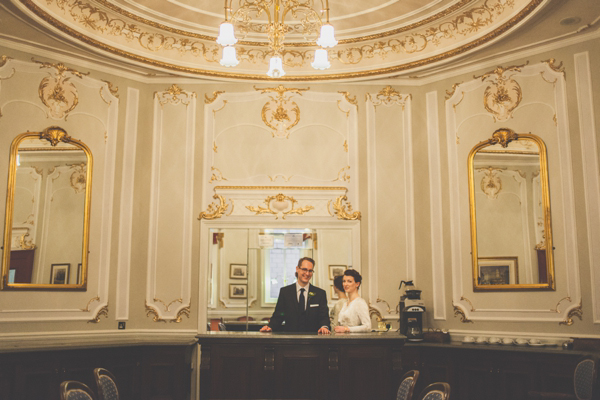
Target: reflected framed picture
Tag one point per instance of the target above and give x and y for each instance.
(237, 291)
(59, 274)
(498, 270)
(333, 293)
(336, 270)
(238, 271)
(78, 273)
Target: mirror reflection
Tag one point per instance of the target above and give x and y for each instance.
(510, 213)
(47, 212)
(247, 268)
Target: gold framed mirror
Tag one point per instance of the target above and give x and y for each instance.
(509, 202)
(46, 233)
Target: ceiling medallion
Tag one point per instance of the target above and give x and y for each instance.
(280, 113)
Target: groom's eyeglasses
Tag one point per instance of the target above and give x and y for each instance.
(306, 270)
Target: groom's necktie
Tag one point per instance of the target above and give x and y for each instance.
(301, 301)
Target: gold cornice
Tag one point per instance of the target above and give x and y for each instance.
(288, 78)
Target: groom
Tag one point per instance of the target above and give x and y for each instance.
(302, 306)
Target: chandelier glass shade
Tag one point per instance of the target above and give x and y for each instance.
(269, 17)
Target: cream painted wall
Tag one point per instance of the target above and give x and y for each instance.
(125, 261)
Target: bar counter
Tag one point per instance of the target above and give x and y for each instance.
(254, 365)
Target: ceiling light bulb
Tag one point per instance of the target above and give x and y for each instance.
(321, 61)
(229, 58)
(276, 67)
(327, 39)
(226, 35)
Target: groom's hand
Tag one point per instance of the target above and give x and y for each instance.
(324, 331)
(265, 328)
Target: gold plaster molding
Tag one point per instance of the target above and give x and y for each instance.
(280, 188)
(215, 95)
(199, 48)
(341, 211)
(342, 175)
(556, 310)
(281, 113)
(443, 13)
(389, 96)
(56, 91)
(556, 68)
(26, 244)
(217, 175)
(3, 60)
(114, 90)
(575, 312)
(167, 306)
(174, 95)
(349, 98)
(214, 211)
(504, 93)
(468, 301)
(102, 311)
(450, 93)
(150, 310)
(184, 311)
(460, 312)
(87, 307)
(281, 203)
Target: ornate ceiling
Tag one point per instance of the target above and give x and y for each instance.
(377, 38)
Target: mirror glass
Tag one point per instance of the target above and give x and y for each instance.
(510, 213)
(247, 267)
(47, 212)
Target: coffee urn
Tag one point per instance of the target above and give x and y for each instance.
(411, 310)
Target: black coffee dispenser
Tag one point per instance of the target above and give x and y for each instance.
(411, 312)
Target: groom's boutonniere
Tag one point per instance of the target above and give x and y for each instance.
(311, 294)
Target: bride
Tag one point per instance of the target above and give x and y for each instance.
(354, 315)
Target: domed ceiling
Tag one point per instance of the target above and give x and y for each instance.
(377, 38)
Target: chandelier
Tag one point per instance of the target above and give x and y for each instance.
(246, 20)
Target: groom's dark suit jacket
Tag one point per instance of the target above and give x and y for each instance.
(312, 319)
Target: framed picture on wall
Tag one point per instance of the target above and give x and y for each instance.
(498, 270)
(238, 271)
(237, 291)
(59, 274)
(336, 270)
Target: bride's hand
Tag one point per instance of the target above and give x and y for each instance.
(341, 329)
